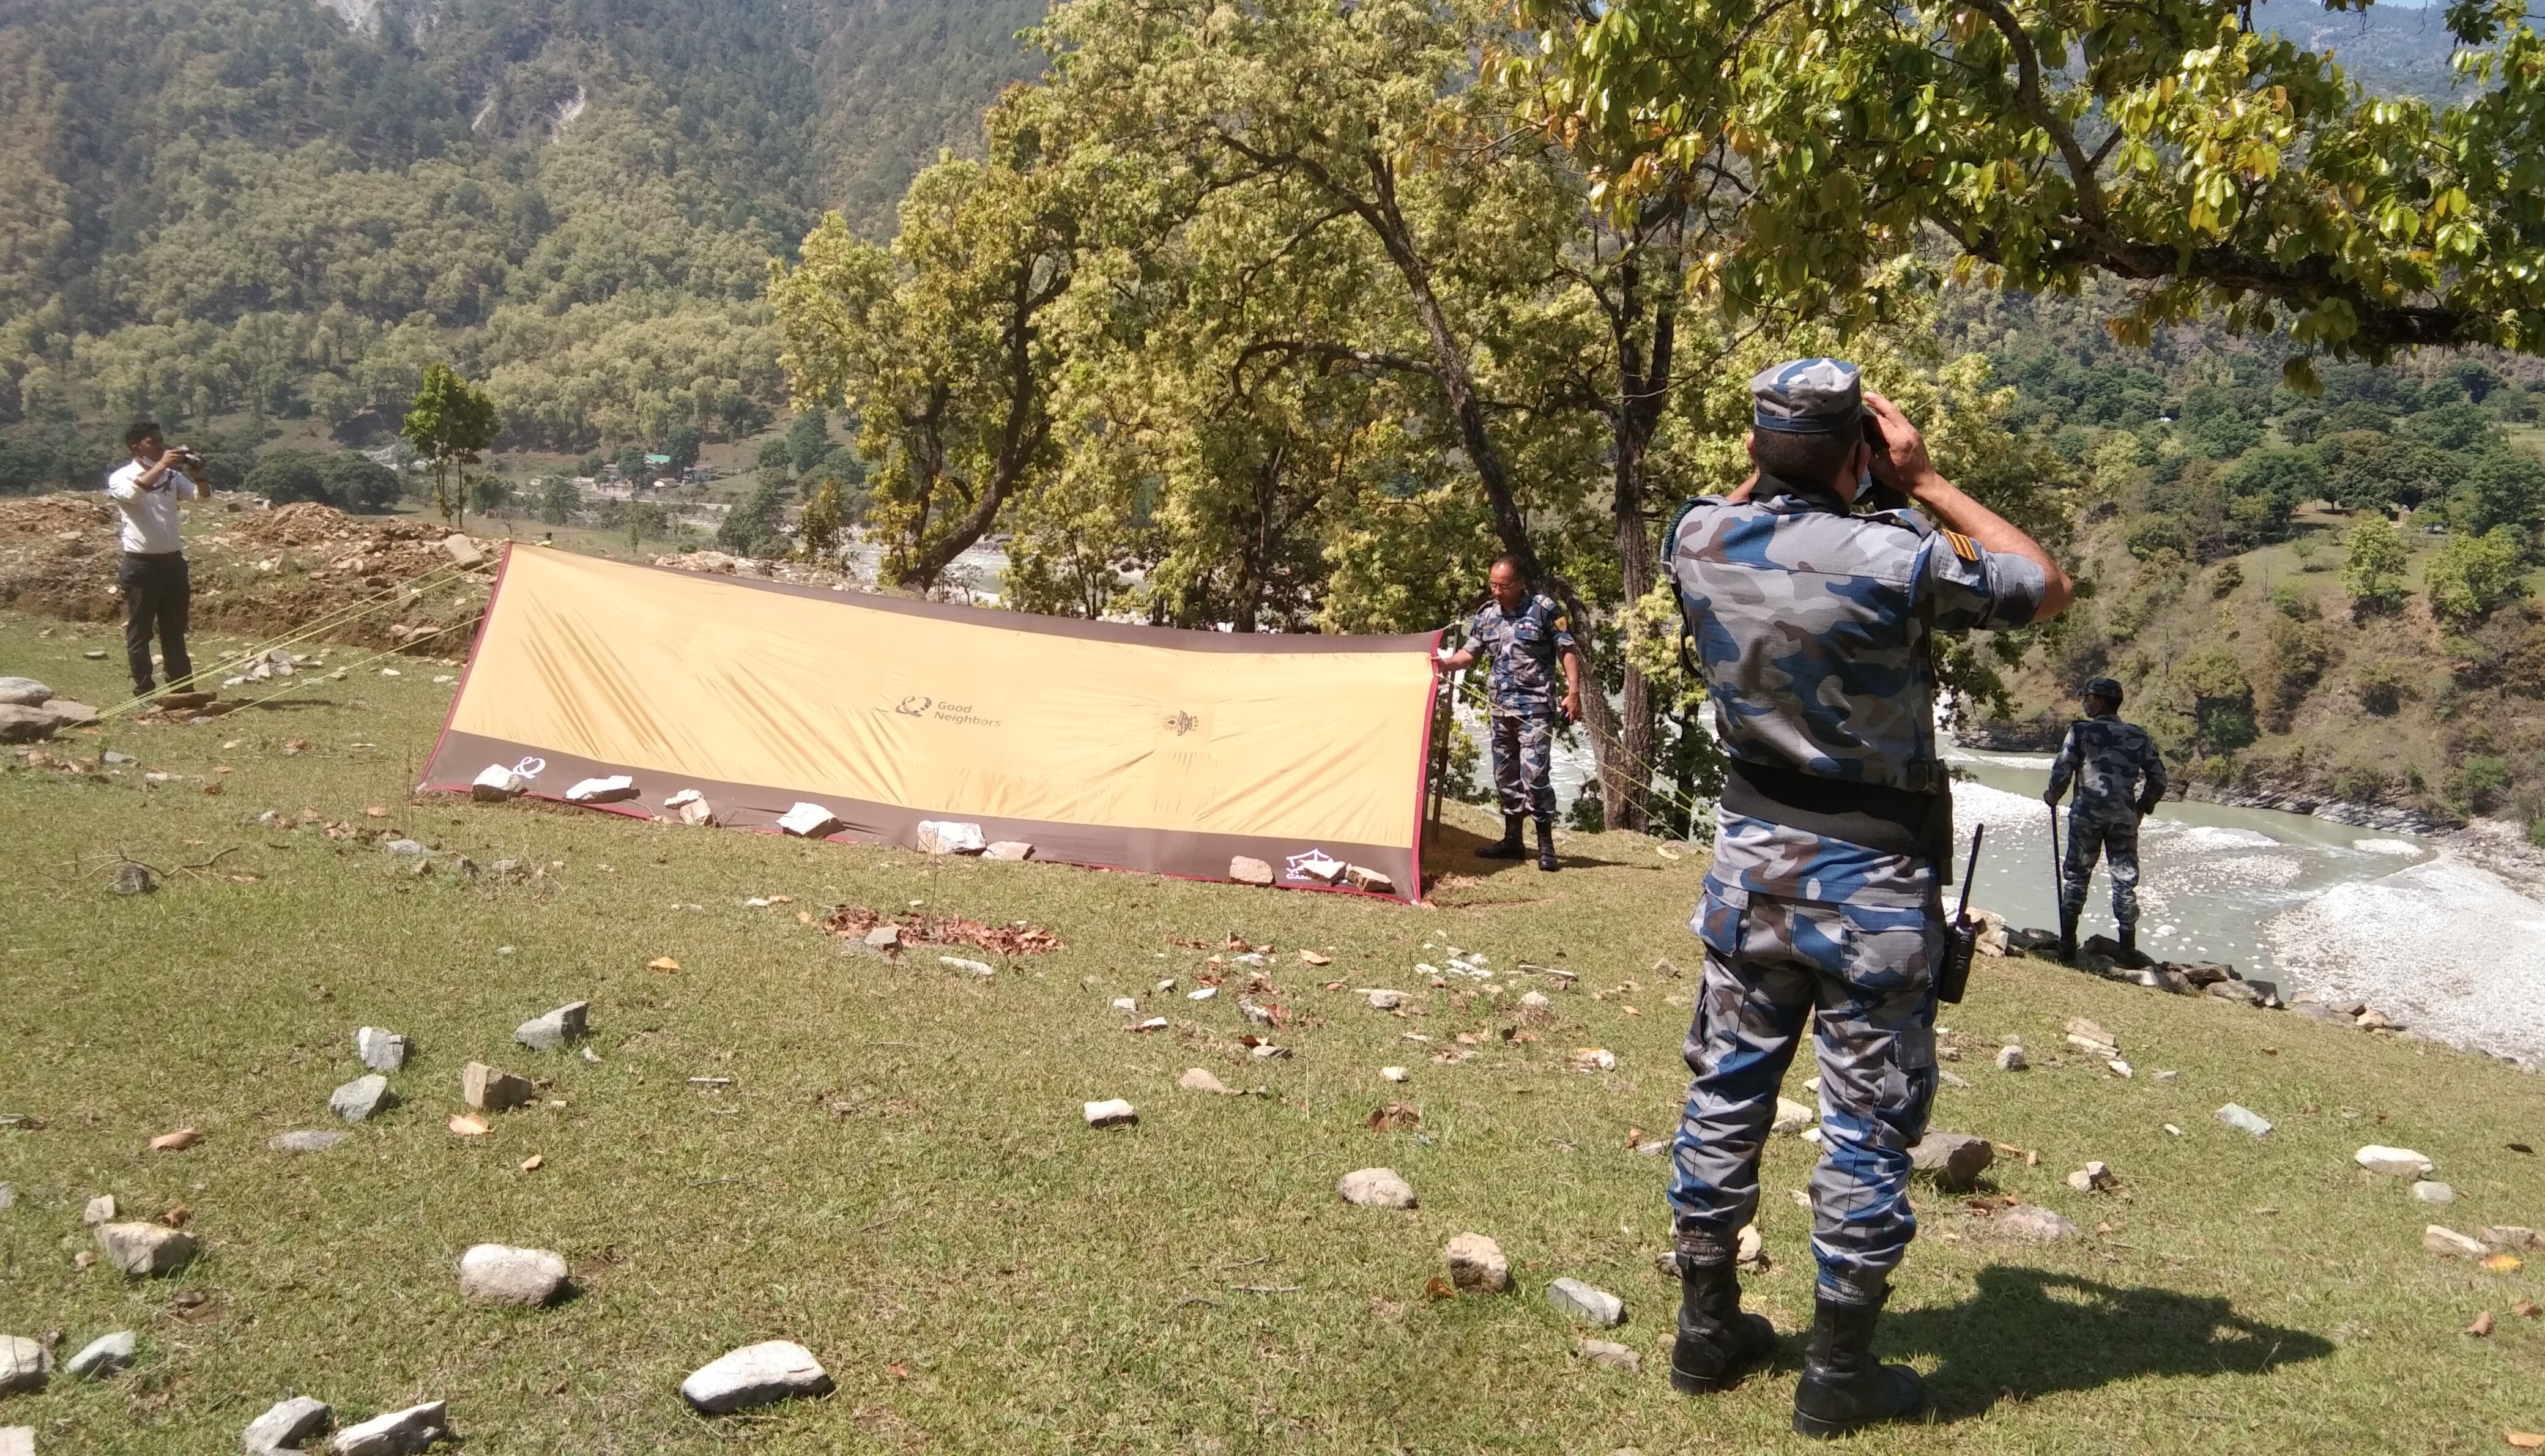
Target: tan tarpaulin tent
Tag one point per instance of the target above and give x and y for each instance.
(1136, 748)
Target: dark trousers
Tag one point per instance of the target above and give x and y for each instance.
(155, 589)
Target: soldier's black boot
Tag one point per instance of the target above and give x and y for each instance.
(1509, 847)
(1844, 1388)
(1715, 1339)
(2067, 939)
(2129, 938)
(1546, 844)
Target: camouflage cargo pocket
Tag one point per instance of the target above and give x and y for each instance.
(1719, 918)
(1885, 949)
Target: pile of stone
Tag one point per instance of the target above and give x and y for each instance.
(31, 713)
(2102, 956)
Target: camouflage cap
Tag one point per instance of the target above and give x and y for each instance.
(2103, 688)
(1808, 396)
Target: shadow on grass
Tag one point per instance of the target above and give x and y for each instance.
(1450, 850)
(2030, 1333)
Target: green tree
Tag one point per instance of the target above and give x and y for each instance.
(2220, 698)
(450, 423)
(2217, 164)
(939, 343)
(2372, 565)
(559, 500)
(630, 461)
(680, 443)
(284, 476)
(2471, 575)
(646, 520)
(753, 528)
(817, 531)
(806, 440)
(2505, 488)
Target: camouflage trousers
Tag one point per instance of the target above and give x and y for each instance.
(1524, 755)
(1863, 977)
(2113, 836)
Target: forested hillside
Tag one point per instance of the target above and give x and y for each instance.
(271, 208)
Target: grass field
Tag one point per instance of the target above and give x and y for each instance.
(899, 1178)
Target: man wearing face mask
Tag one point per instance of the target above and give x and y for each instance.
(1814, 629)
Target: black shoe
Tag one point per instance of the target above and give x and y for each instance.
(1844, 1388)
(2068, 940)
(2129, 942)
(1510, 846)
(1546, 844)
(1715, 1339)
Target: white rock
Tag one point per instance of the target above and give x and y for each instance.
(1393, 1074)
(101, 1210)
(382, 1051)
(496, 783)
(1008, 850)
(483, 1088)
(308, 1140)
(2397, 1163)
(1610, 1353)
(1112, 1112)
(496, 1273)
(2032, 1223)
(883, 937)
(2092, 1178)
(145, 1249)
(967, 967)
(25, 693)
(755, 1375)
(2245, 1120)
(2119, 1068)
(1792, 1116)
(2441, 1240)
(950, 836)
(1592, 1306)
(1384, 1000)
(556, 1030)
(810, 821)
(1477, 1264)
(362, 1098)
(285, 1425)
(1125, 1005)
(1535, 1001)
(1197, 1078)
(462, 551)
(1267, 1051)
(699, 814)
(2430, 1192)
(2010, 1059)
(103, 1357)
(1153, 1023)
(23, 1365)
(611, 790)
(1203, 994)
(1810, 1135)
(1375, 1187)
(393, 1435)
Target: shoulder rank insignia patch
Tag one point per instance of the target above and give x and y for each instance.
(1963, 546)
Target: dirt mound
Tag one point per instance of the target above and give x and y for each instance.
(257, 572)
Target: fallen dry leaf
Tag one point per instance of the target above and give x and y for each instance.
(468, 1126)
(662, 963)
(2499, 1264)
(176, 1142)
(246, 879)
(897, 1370)
(1394, 1116)
(2526, 1309)
(1315, 959)
(176, 1216)
(1629, 1011)
(1634, 1137)
(376, 812)
(782, 899)
(213, 787)
(1438, 1288)
(804, 916)
(83, 1259)
(533, 1163)
(2524, 1440)
(2482, 1326)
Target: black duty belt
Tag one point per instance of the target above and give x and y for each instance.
(1894, 821)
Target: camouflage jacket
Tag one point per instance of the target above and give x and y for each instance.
(1812, 628)
(2114, 765)
(1524, 648)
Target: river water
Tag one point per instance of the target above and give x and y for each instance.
(2437, 942)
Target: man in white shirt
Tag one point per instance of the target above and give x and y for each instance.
(153, 573)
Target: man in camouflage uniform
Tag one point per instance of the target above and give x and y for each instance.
(2119, 778)
(1523, 635)
(1824, 905)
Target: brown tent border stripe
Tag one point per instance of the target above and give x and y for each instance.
(1102, 744)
